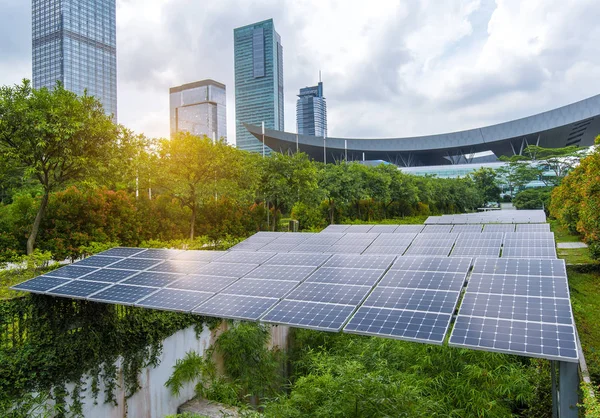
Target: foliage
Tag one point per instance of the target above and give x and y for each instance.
(591, 405)
(486, 181)
(55, 135)
(538, 198)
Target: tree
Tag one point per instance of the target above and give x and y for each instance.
(558, 160)
(485, 180)
(517, 173)
(56, 136)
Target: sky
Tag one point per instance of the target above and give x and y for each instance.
(389, 68)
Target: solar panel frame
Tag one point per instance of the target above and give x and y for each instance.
(522, 267)
(122, 252)
(499, 228)
(311, 315)
(425, 300)
(41, 284)
(152, 279)
(136, 264)
(122, 294)
(173, 300)
(519, 285)
(533, 228)
(77, 289)
(529, 252)
(97, 261)
(249, 308)
(109, 275)
(71, 272)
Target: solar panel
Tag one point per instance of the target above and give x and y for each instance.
(356, 242)
(135, 264)
(386, 250)
(71, 272)
(179, 266)
(345, 249)
(360, 262)
(529, 252)
(529, 243)
(499, 228)
(109, 275)
(529, 235)
(197, 255)
(97, 261)
(158, 254)
(226, 269)
(412, 299)
(319, 241)
(523, 308)
(533, 227)
(475, 252)
(551, 268)
(248, 246)
(481, 236)
(78, 289)
(122, 251)
(257, 239)
(400, 324)
(245, 257)
(40, 284)
(550, 341)
(518, 285)
(359, 228)
(467, 228)
(202, 283)
(174, 300)
(329, 293)
(260, 287)
(313, 315)
(434, 264)
(434, 280)
(298, 259)
(335, 228)
(311, 248)
(437, 228)
(337, 275)
(356, 237)
(276, 272)
(235, 307)
(409, 229)
(433, 251)
(146, 278)
(122, 294)
(280, 248)
(383, 228)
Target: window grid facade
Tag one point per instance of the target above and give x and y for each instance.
(199, 108)
(311, 111)
(74, 42)
(258, 56)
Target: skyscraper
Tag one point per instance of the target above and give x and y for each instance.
(311, 111)
(258, 58)
(199, 108)
(74, 41)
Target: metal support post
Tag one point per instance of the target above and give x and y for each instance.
(554, 389)
(568, 389)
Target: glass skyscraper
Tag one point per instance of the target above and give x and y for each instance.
(199, 108)
(75, 42)
(258, 58)
(311, 111)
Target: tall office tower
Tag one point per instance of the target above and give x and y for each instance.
(311, 111)
(75, 42)
(199, 108)
(258, 81)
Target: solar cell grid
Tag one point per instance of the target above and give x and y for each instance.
(122, 294)
(110, 275)
(279, 248)
(147, 278)
(329, 293)
(97, 261)
(313, 315)
(434, 280)
(245, 257)
(174, 300)
(533, 227)
(482, 251)
(383, 228)
(335, 228)
(553, 287)
(248, 246)
(481, 235)
(226, 269)
(158, 254)
(529, 243)
(437, 228)
(397, 250)
(337, 275)
(532, 309)
(400, 324)
(40, 284)
(355, 242)
(551, 268)
(469, 242)
(197, 255)
(358, 236)
(550, 341)
(413, 299)
(235, 307)
(345, 249)
(71, 272)
(499, 228)
(202, 283)
(135, 264)
(359, 228)
(260, 287)
(529, 252)
(425, 250)
(432, 242)
(529, 235)
(320, 241)
(402, 229)
(260, 239)
(433, 264)
(298, 259)
(79, 289)
(179, 266)
(311, 248)
(360, 262)
(467, 228)
(122, 251)
(276, 272)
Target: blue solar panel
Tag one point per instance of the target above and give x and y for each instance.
(432, 251)
(122, 294)
(359, 228)
(313, 315)
(135, 264)
(330, 293)
(337, 275)
(78, 289)
(109, 275)
(435, 264)
(386, 250)
(71, 272)
(335, 228)
(235, 307)
(245, 257)
(179, 266)
(475, 252)
(553, 287)
(550, 341)
(195, 255)
(260, 287)
(311, 248)
(437, 228)
(550, 268)
(499, 228)
(248, 246)
(275, 272)
(401, 229)
(174, 300)
(383, 228)
(413, 299)
(122, 251)
(417, 326)
(202, 283)
(158, 254)
(226, 269)
(97, 261)
(362, 262)
(424, 280)
(40, 284)
(529, 252)
(147, 278)
(345, 249)
(298, 259)
(279, 248)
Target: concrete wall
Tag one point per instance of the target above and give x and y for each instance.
(153, 400)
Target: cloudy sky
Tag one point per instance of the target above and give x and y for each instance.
(390, 68)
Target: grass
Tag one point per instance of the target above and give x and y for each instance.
(575, 255)
(562, 234)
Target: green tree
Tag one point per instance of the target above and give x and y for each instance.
(560, 161)
(486, 181)
(517, 173)
(54, 135)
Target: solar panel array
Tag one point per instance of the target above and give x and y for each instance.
(491, 217)
(394, 282)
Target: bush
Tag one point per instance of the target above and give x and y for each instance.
(533, 198)
(308, 217)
